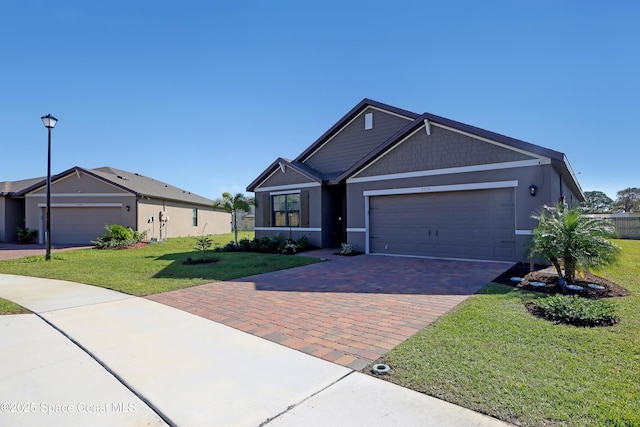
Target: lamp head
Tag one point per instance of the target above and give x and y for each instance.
(49, 121)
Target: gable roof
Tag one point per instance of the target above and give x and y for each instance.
(558, 160)
(301, 168)
(362, 105)
(134, 183)
(10, 188)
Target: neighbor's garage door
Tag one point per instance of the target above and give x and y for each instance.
(80, 225)
(475, 224)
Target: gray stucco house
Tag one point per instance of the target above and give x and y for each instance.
(83, 201)
(391, 181)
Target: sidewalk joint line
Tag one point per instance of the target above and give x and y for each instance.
(295, 405)
(146, 401)
(86, 305)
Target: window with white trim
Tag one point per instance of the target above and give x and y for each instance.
(285, 210)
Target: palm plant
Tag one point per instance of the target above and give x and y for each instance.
(234, 204)
(572, 240)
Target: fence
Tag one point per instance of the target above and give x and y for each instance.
(627, 228)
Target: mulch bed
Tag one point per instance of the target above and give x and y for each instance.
(550, 279)
(352, 253)
(200, 261)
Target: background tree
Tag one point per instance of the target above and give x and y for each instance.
(234, 204)
(571, 240)
(597, 202)
(628, 199)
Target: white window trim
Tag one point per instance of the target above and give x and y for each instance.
(279, 193)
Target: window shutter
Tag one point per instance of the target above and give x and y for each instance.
(266, 210)
(304, 208)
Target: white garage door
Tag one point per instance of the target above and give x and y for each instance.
(80, 225)
(477, 224)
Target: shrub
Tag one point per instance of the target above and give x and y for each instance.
(575, 310)
(118, 236)
(25, 235)
(303, 244)
(287, 247)
(244, 245)
(347, 249)
(273, 244)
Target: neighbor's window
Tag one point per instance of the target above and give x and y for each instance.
(195, 217)
(286, 210)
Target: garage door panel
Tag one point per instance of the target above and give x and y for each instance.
(81, 225)
(466, 224)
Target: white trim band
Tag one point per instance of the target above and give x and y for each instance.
(80, 195)
(524, 232)
(287, 187)
(82, 205)
(356, 230)
(286, 229)
(442, 188)
(447, 171)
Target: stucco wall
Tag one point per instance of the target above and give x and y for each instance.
(180, 219)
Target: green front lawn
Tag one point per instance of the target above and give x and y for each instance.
(492, 356)
(158, 267)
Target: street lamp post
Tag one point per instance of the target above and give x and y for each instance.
(49, 122)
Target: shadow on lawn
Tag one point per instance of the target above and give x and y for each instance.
(383, 275)
(180, 269)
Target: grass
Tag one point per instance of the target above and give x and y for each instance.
(158, 267)
(492, 356)
(8, 307)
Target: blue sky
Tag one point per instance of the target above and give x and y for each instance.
(205, 95)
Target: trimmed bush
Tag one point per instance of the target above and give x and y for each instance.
(118, 237)
(274, 244)
(574, 310)
(25, 235)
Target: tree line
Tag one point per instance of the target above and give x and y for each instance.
(627, 200)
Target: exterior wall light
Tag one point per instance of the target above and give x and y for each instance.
(533, 190)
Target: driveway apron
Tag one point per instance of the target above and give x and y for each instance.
(347, 310)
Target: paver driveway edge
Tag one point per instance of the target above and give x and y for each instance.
(348, 311)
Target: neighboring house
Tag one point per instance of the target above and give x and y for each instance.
(83, 201)
(390, 181)
(246, 220)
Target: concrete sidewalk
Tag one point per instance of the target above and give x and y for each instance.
(91, 356)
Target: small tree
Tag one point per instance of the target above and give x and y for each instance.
(203, 243)
(234, 204)
(572, 240)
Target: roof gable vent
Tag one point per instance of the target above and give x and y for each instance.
(368, 121)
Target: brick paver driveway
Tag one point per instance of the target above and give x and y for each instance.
(348, 310)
